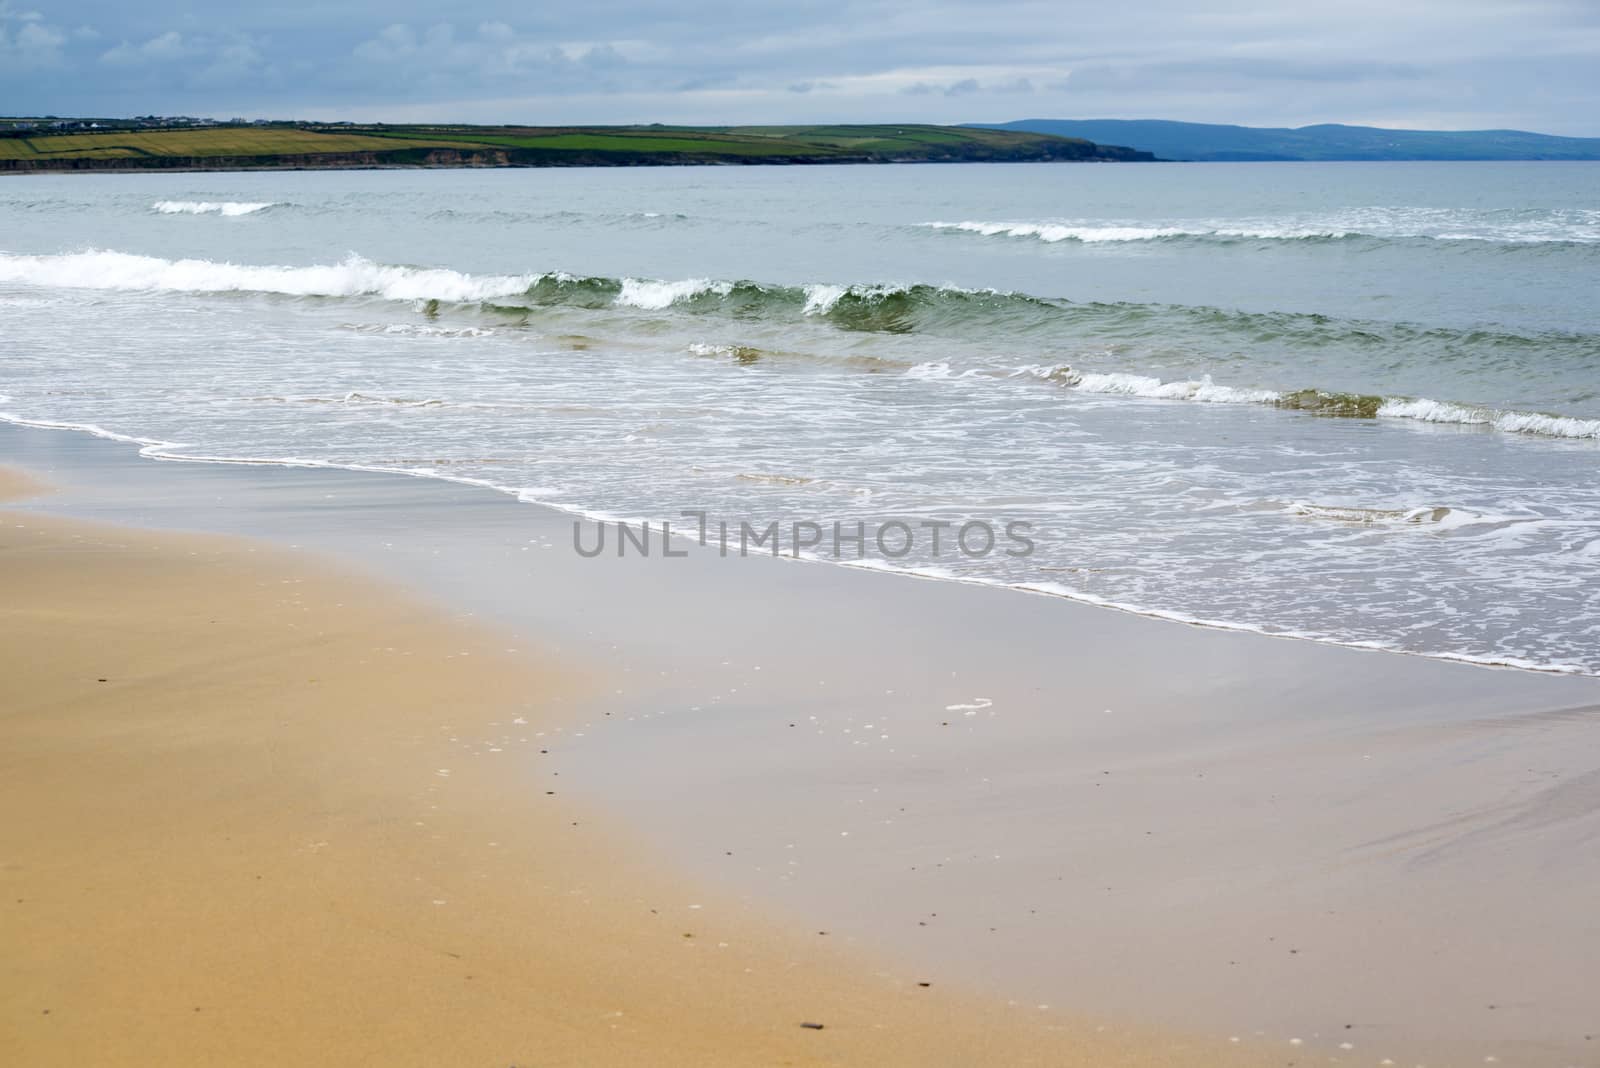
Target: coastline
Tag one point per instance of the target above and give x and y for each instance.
(74, 145)
(1217, 832)
(236, 167)
(280, 813)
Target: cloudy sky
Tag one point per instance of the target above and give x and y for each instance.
(1445, 64)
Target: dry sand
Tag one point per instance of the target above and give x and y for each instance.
(261, 813)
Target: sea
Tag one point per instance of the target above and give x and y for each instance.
(1345, 402)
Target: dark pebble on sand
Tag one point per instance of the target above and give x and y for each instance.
(811, 1026)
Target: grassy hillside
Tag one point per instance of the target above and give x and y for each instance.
(1203, 141)
(310, 145)
(215, 141)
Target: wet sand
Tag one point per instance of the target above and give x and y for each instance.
(1342, 854)
(264, 812)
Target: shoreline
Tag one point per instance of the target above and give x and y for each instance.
(270, 791)
(471, 166)
(296, 145)
(1377, 810)
(150, 449)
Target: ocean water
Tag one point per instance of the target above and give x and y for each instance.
(1348, 402)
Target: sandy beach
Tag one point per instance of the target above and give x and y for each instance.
(245, 831)
(725, 821)
(520, 549)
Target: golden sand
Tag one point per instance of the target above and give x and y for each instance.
(254, 815)
(14, 484)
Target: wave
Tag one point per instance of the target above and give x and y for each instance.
(1432, 515)
(654, 296)
(564, 217)
(1513, 422)
(1314, 401)
(880, 307)
(352, 277)
(209, 207)
(417, 330)
(1052, 233)
(1374, 224)
(883, 308)
(745, 354)
(889, 308)
(1132, 385)
(429, 469)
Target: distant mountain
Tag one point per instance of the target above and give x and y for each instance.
(1203, 141)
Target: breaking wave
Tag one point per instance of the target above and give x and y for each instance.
(1315, 401)
(354, 276)
(1051, 233)
(884, 308)
(1557, 227)
(209, 207)
(654, 296)
(944, 310)
(887, 308)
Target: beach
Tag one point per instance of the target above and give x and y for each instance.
(266, 811)
(1110, 615)
(1351, 881)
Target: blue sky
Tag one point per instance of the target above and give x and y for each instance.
(1445, 64)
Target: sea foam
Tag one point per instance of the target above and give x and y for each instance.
(354, 276)
(210, 207)
(1052, 232)
(654, 296)
(1204, 390)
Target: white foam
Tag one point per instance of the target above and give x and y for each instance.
(702, 348)
(1431, 515)
(1383, 223)
(654, 296)
(1054, 589)
(1432, 411)
(1052, 232)
(419, 330)
(933, 369)
(229, 208)
(354, 276)
(166, 450)
(1206, 391)
(820, 298)
(1130, 385)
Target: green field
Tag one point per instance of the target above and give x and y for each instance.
(216, 141)
(307, 144)
(689, 142)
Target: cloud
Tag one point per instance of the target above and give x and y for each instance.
(239, 60)
(393, 44)
(163, 48)
(27, 42)
(1530, 63)
(440, 60)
